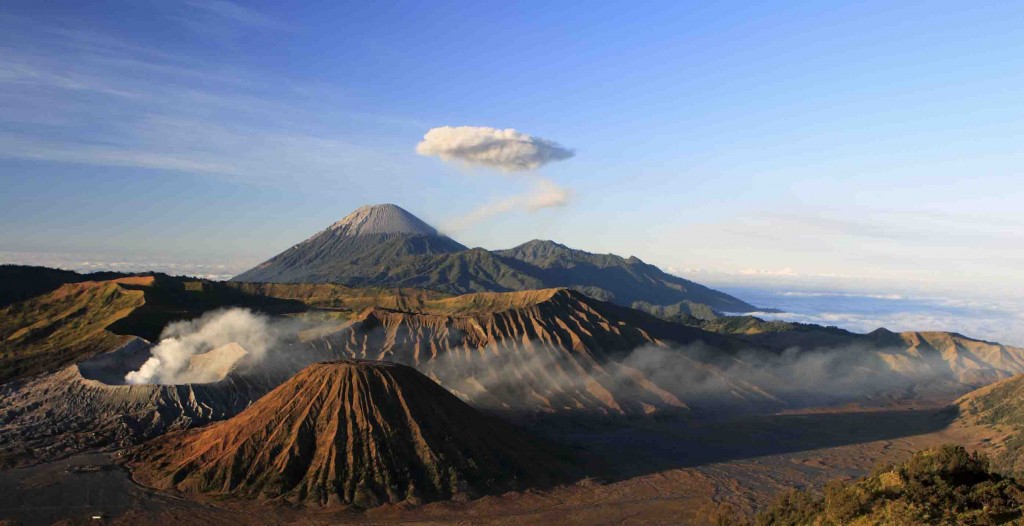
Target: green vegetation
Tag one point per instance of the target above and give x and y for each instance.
(943, 485)
(21, 282)
(326, 296)
(437, 263)
(79, 320)
(1000, 405)
(687, 312)
(170, 298)
(626, 281)
(69, 324)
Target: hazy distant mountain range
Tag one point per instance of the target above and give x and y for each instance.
(384, 245)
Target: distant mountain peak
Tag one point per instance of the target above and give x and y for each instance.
(543, 243)
(382, 219)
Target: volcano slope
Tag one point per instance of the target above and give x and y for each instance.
(558, 350)
(385, 245)
(352, 433)
(553, 350)
(63, 326)
(23, 282)
(88, 406)
(83, 319)
(1000, 408)
(933, 364)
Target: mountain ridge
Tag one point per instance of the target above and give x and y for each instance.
(383, 245)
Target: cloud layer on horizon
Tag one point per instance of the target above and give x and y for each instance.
(508, 150)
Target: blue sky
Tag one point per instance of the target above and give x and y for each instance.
(869, 146)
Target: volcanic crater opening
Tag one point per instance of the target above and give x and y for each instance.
(113, 367)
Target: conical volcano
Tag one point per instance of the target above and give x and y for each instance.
(358, 433)
(384, 245)
(353, 248)
(382, 219)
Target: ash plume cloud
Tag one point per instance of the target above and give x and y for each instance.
(181, 340)
(508, 150)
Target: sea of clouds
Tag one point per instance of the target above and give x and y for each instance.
(1000, 320)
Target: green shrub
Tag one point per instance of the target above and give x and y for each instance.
(942, 485)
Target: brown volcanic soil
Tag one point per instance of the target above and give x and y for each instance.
(673, 473)
(356, 433)
(552, 350)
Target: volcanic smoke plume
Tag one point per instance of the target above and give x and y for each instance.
(183, 340)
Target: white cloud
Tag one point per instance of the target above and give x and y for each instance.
(80, 98)
(544, 194)
(234, 13)
(507, 150)
(768, 272)
(979, 324)
(92, 262)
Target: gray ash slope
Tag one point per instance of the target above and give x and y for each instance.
(88, 406)
(384, 245)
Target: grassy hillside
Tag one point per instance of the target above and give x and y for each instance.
(1000, 406)
(342, 298)
(626, 281)
(79, 320)
(438, 263)
(64, 326)
(170, 298)
(944, 485)
(22, 282)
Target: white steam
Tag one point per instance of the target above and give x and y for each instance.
(508, 150)
(536, 377)
(182, 341)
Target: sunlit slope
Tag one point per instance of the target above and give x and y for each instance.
(88, 406)
(1000, 407)
(944, 485)
(356, 433)
(50, 331)
(22, 282)
(941, 355)
(80, 320)
(551, 350)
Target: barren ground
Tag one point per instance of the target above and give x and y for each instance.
(673, 472)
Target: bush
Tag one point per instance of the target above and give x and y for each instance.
(943, 485)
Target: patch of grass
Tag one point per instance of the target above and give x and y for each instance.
(64, 326)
